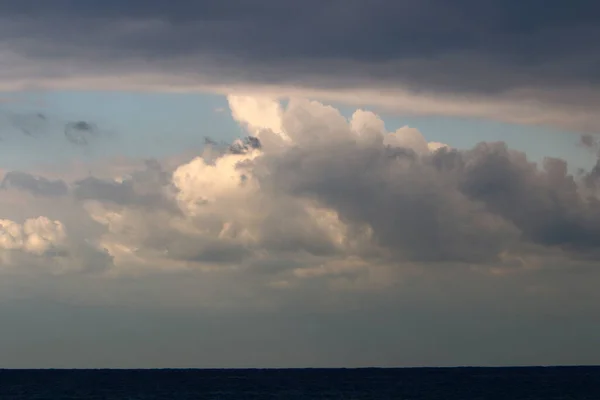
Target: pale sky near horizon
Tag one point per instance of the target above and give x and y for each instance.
(207, 184)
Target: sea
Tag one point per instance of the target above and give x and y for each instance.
(540, 383)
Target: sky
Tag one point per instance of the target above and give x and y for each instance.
(299, 184)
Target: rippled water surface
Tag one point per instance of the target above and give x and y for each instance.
(580, 383)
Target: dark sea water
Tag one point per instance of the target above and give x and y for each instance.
(557, 383)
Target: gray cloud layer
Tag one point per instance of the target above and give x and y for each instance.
(452, 206)
(528, 50)
(34, 184)
(524, 33)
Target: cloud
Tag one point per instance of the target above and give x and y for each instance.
(28, 124)
(256, 113)
(310, 197)
(41, 246)
(591, 143)
(94, 188)
(43, 126)
(464, 59)
(335, 188)
(142, 187)
(424, 202)
(244, 146)
(36, 185)
(588, 140)
(312, 216)
(80, 132)
(326, 219)
(36, 235)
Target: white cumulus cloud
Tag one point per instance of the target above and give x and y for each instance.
(36, 235)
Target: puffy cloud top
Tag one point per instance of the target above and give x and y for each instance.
(36, 235)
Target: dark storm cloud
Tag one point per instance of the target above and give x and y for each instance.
(464, 45)
(38, 186)
(544, 203)
(465, 206)
(414, 209)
